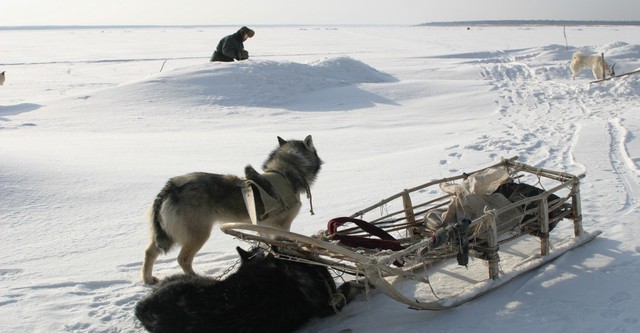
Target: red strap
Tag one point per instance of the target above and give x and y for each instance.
(386, 241)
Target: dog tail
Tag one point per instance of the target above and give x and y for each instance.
(162, 239)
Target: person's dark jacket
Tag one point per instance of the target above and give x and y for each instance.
(230, 48)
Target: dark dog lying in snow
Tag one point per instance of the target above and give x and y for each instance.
(266, 294)
(515, 192)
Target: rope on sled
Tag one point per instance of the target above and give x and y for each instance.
(308, 189)
(426, 274)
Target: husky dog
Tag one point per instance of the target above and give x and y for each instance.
(265, 294)
(2, 78)
(592, 62)
(187, 207)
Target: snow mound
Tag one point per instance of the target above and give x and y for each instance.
(256, 83)
(551, 63)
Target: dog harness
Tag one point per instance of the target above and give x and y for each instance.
(286, 197)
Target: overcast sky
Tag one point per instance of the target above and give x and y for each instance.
(259, 12)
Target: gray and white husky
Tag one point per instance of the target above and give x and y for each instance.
(187, 207)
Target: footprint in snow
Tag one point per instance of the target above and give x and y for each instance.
(620, 297)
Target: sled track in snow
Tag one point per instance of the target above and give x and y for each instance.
(623, 166)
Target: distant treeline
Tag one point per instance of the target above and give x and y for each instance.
(92, 27)
(528, 23)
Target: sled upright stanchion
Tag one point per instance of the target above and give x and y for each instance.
(544, 226)
(493, 247)
(576, 208)
(408, 208)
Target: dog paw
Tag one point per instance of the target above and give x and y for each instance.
(151, 280)
(352, 289)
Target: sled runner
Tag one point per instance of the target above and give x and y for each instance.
(452, 239)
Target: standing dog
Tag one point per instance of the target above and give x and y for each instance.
(187, 207)
(265, 294)
(2, 78)
(593, 62)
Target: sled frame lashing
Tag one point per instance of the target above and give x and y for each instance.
(403, 215)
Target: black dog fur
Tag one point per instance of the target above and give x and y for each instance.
(265, 294)
(515, 192)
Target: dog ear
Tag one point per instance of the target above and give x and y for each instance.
(308, 141)
(281, 141)
(244, 255)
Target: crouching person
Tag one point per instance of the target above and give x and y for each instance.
(231, 47)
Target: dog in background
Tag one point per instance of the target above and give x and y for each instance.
(265, 294)
(2, 78)
(592, 62)
(187, 207)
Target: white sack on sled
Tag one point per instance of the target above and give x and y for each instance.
(473, 197)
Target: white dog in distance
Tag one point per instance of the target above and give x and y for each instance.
(593, 62)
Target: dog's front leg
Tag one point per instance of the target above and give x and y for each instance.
(596, 75)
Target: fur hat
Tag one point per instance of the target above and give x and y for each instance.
(247, 31)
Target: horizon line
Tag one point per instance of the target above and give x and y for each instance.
(431, 23)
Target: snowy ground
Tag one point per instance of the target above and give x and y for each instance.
(90, 130)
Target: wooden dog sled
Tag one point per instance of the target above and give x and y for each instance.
(419, 241)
